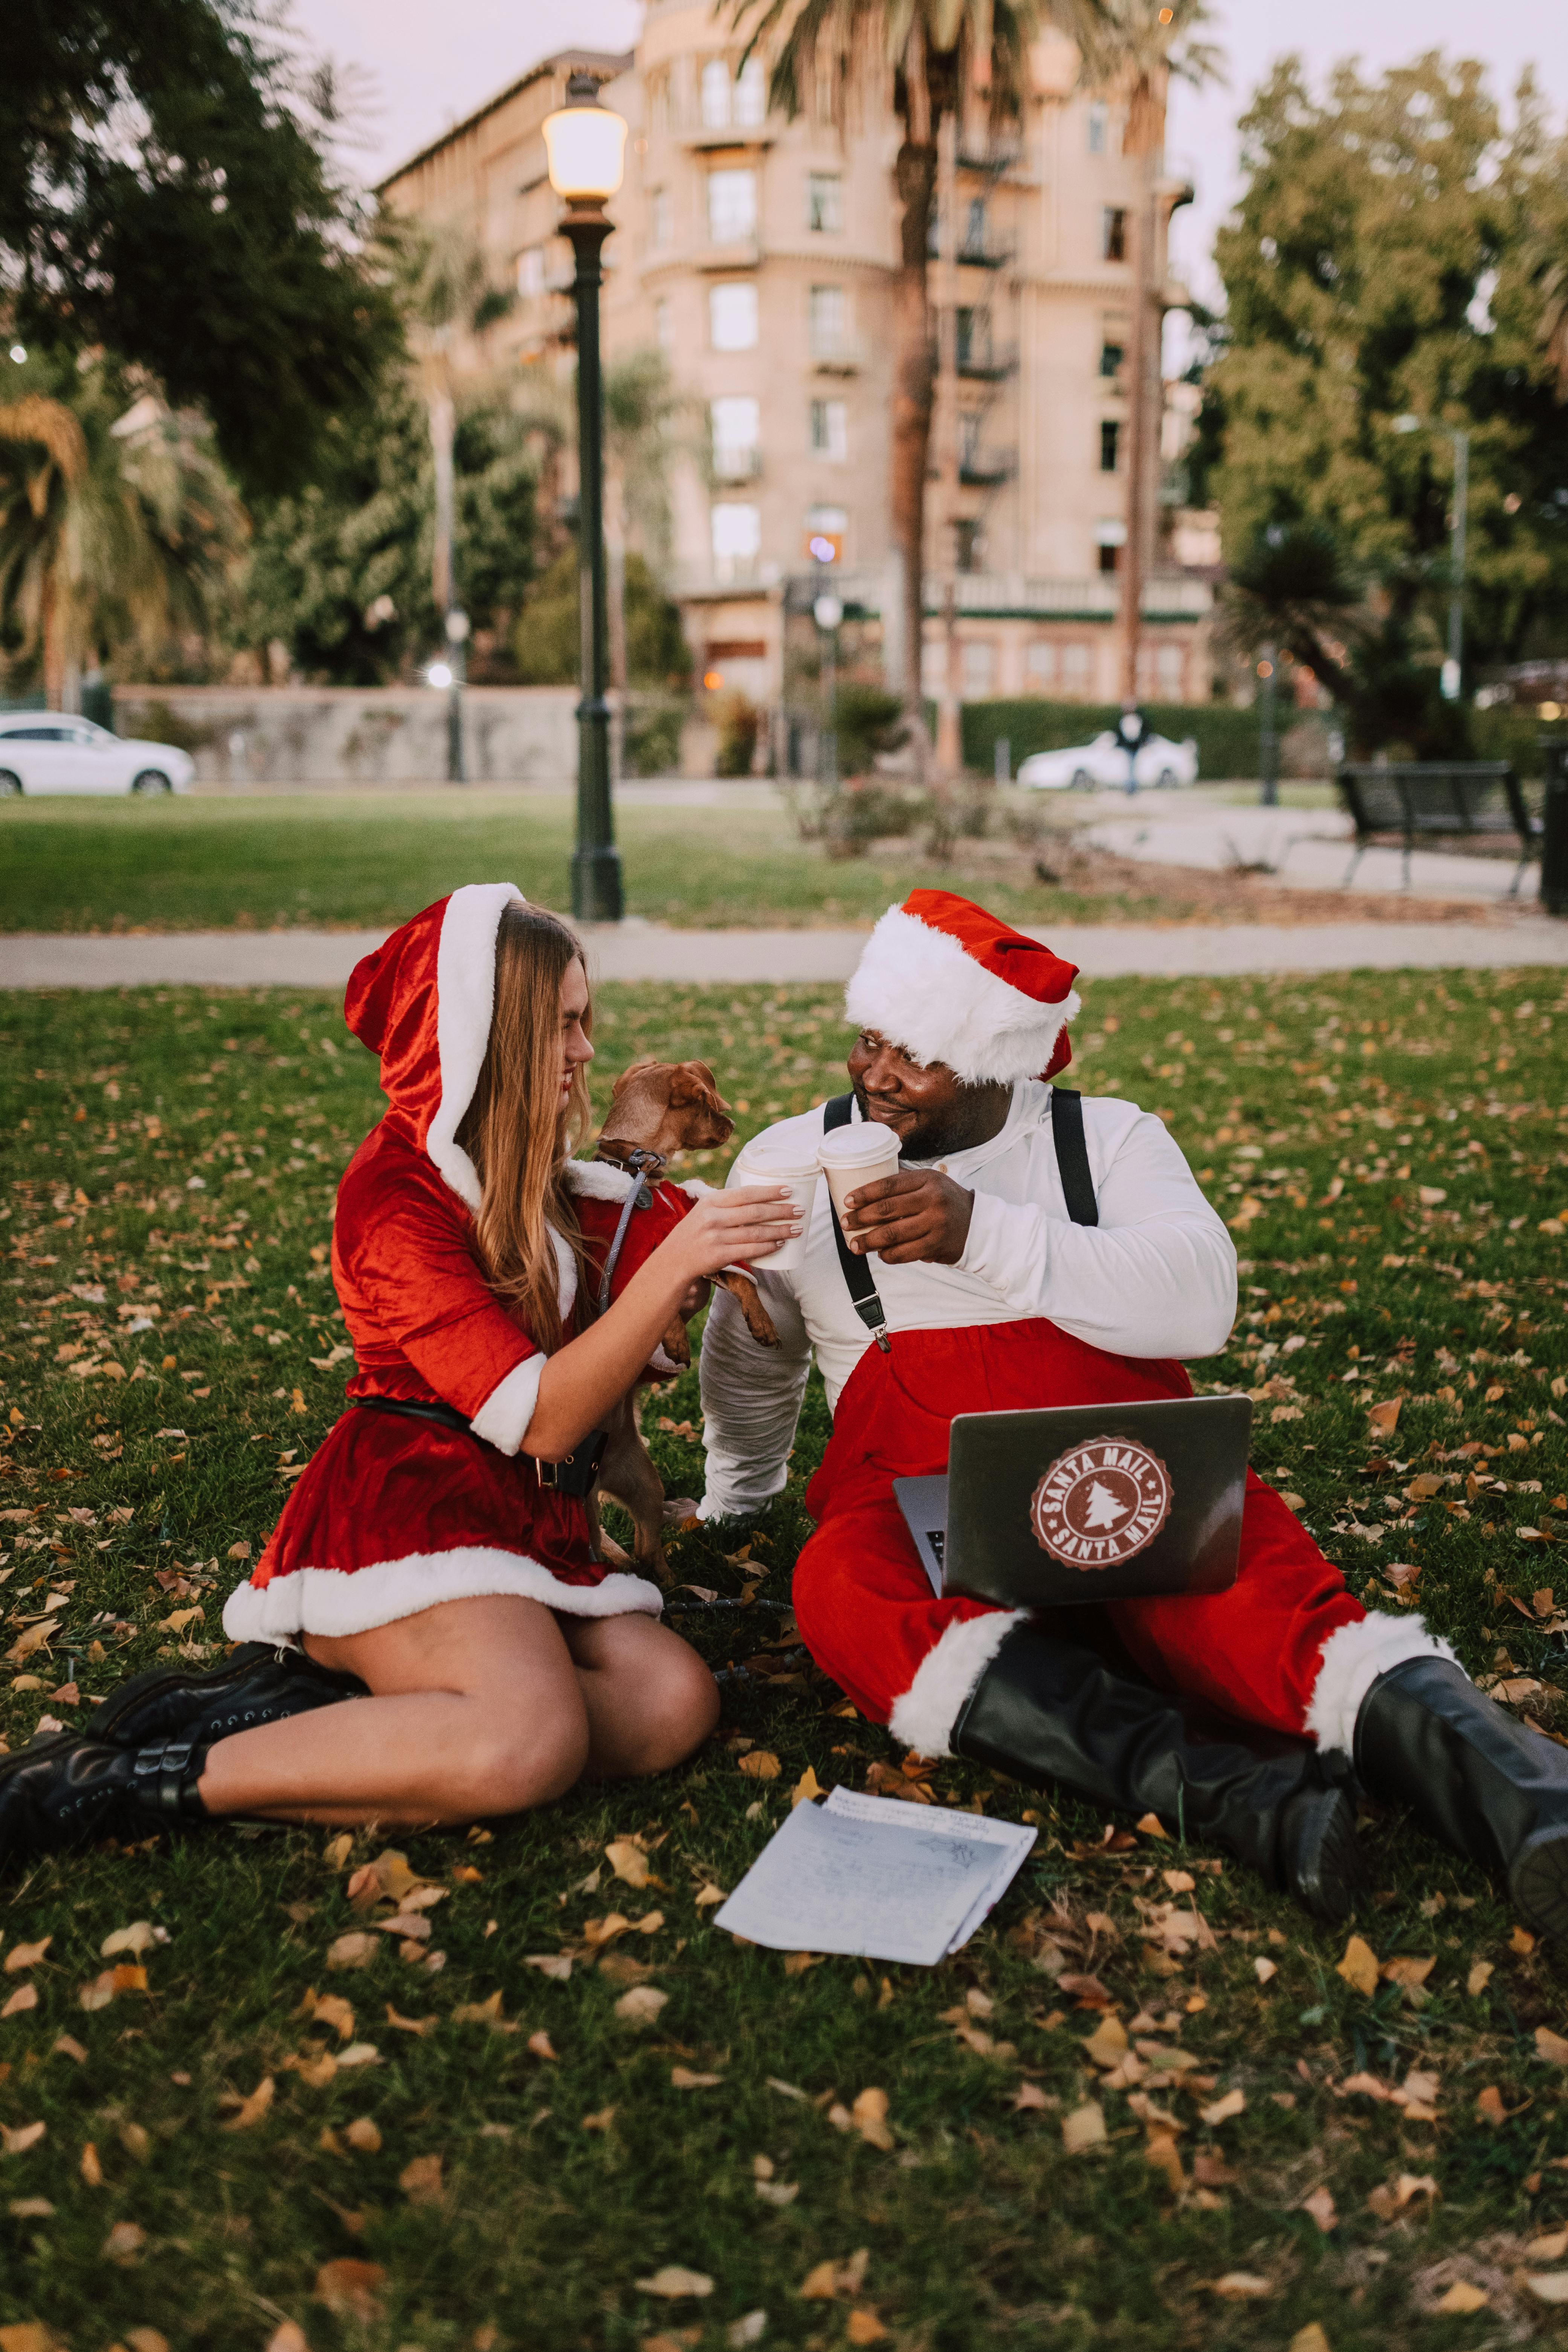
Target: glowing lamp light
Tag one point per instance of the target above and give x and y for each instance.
(712, 680)
(1265, 669)
(440, 674)
(822, 548)
(584, 144)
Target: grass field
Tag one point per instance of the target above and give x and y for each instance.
(192, 864)
(501, 2152)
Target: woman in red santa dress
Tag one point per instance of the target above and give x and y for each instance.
(1012, 1270)
(433, 1561)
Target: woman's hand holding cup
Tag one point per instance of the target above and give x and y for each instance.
(733, 1228)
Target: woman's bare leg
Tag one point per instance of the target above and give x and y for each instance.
(649, 1698)
(476, 1708)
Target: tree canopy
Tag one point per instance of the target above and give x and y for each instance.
(1396, 254)
(168, 193)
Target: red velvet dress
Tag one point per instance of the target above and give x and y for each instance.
(393, 1514)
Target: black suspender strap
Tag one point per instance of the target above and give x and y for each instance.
(1072, 1156)
(857, 1275)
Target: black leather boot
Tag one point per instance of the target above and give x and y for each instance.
(1426, 1738)
(64, 1790)
(255, 1684)
(1051, 1710)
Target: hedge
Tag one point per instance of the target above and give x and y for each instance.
(1226, 738)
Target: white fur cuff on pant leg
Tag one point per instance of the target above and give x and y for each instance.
(924, 1714)
(1353, 1659)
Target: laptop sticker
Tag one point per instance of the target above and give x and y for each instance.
(1101, 1503)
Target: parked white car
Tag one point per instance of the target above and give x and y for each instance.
(1085, 766)
(47, 751)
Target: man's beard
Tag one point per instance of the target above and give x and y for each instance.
(959, 1129)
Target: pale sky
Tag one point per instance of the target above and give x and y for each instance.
(428, 68)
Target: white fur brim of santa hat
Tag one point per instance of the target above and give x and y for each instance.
(947, 982)
(465, 1003)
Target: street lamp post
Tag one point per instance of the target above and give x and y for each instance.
(1454, 667)
(1267, 731)
(585, 145)
(828, 611)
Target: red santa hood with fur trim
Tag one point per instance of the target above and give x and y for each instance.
(423, 1002)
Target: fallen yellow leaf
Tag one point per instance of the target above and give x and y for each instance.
(251, 2110)
(761, 1764)
(1480, 1976)
(1552, 2287)
(1083, 2128)
(682, 2078)
(804, 1789)
(864, 2327)
(1551, 2046)
(350, 2288)
(1241, 2287)
(870, 2116)
(17, 2140)
(641, 2006)
(355, 1950)
(673, 2283)
(1233, 2103)
(1359, 1967)
(26, 1956)
(420, 2180)
(1463, 2296)
(628, 1862)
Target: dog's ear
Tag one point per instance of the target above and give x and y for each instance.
(693, 1082)
(639, 1069)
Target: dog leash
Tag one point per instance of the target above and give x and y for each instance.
(635, 1165)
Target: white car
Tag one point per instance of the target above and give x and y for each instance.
(49, 751)
(1161, 763)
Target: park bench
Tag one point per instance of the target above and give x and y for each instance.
(1438, 800)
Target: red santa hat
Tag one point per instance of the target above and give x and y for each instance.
(945, 981)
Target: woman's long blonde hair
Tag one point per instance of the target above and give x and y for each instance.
(517, 1130)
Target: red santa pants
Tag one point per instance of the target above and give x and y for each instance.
(866, 1612)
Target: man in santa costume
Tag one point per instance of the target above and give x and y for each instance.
(1014, 1270)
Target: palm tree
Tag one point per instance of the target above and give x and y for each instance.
(448, 300)
(937, 52)
(1135, 47)
(117, 525)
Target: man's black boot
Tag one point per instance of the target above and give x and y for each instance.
(1426, 1738)
(256, 1683)
(64, 1790)
(1050, 1710)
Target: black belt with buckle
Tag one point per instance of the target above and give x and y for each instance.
(574, 1476)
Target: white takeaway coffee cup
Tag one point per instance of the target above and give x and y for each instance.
(767, 1160)
(851, 1157)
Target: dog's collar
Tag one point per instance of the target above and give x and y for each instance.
(632, 1158)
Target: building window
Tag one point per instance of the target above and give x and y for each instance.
(824, 203)
(751, 104)
(735, 436)
(715, 95)
(979, 669)
(1076, 669)
(659, 218)
(530, 272)
(1099, 123)
(732, 316)
(827, 322)
(732, 205)
(664, 325)
(1113, 233)
(830, 430)
(966, 542)
(933, 233)
(1040, 661)
(974, 227)
(1110, 557)
(1170, 664)
(1111, 358)
(829, 526)
(737, 540)
(969, 424)
(1109, 439)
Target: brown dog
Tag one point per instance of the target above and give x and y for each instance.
(657, 1108)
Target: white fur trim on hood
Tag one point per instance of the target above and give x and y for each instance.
(924, 994)
(464, 1000)
(598, 1179)
(336, 1602)
(924, 1714)
(1352, 1658)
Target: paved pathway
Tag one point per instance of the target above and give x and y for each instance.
(640, 950)
(1305, 849)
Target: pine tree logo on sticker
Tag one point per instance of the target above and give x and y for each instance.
(1101, 1503)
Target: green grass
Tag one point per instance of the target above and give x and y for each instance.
(982, 2235)
(192, 864)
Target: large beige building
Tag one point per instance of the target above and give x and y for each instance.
(758, 254)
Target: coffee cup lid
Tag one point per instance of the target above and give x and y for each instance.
(869, 1141)
(779, 1157)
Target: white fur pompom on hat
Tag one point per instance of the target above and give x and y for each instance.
(947, 982)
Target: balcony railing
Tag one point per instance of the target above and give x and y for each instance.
(839, 354)
(981, 363)
(998, 594)
(734, 465)
(985, 470)
(991, 156)
(985, 253)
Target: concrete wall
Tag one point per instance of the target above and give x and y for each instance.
(372, 735)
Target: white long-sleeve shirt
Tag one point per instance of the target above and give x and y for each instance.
(1156, 1276)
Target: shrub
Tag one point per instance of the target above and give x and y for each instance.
(1226, 738)
(738, 720)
